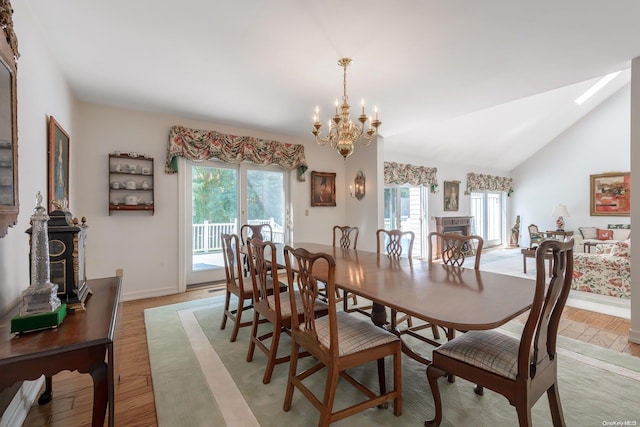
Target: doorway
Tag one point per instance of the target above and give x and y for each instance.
(218, 199)
(488, 211)
(405, 209)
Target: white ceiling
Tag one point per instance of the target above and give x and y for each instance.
(477, 82)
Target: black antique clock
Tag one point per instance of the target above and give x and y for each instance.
(67, 257)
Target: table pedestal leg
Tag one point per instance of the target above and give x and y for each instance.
(379, 318)
(378, 314)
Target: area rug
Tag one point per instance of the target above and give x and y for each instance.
(202, 379)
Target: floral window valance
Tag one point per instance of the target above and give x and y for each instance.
(481, 182)
(195, 144)
(399, 173)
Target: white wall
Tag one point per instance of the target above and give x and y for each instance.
(41, 92)
(146, 246)
(366, 213)
(559, 172)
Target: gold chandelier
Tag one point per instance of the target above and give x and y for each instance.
(343, 133)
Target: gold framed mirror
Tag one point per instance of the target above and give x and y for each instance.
(9, 200)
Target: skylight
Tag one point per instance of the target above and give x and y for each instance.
(596, 87)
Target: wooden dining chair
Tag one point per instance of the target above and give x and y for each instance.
(395, 244)
(339, 341)
(345, 237)
(234, 285)
(455, 248)
(259, 231)
(521, 369)
(274, 307)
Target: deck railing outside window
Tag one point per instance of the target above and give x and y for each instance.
(206, 237)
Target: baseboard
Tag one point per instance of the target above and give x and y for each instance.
(151, 293)
(634, 336)
(19, 407)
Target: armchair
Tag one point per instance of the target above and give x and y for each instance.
(535, 237)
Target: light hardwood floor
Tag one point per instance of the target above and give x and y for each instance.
(72, 401)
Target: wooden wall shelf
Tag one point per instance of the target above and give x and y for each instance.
(131, 183)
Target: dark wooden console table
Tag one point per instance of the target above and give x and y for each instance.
(81, 343)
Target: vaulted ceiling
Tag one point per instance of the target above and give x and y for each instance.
(476, 82)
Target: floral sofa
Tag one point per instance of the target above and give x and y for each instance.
(606, 271)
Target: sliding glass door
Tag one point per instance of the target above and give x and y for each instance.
(221, 198)
(488, 211)
(405, 209)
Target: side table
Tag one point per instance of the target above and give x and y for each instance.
(531, 253)
(553, 234)
(586, 246)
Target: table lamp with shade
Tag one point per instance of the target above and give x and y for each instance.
(560, 211)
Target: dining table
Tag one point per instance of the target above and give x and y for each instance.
(452, 297)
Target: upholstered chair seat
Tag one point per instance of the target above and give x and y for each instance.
(489, 350)
(354, 335)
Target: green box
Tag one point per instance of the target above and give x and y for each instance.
(34, 322)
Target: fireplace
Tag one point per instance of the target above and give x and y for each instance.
(451, 224)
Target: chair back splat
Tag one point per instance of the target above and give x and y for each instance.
(521, 369)
(456, 247)
(345, 236)
(394, 242)
(259, 231)
(254, 231)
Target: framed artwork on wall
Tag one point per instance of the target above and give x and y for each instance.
(451, 195)
(610, 194)
(9, 195)
(323, 188)
(58, 154)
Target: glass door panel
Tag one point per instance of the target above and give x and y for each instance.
(487, 210)
(391, 208)
(404, 210)
(266, 200)
(214, 211)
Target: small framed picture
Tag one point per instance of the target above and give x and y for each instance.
(58, 154)
(451, 195)
(323, 188)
